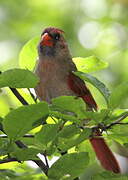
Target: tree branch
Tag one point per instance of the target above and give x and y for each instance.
(103, 127)
(19, 97)
(8, 160)
(32, 95)
(46, 161)
(117, 122)
(17, 94)
(40, 163)
(25, 136)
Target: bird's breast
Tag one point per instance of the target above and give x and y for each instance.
(53, 81)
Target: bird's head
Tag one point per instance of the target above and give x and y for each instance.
(52, 43)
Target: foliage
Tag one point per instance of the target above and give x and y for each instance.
(96, 30)
(18, 78)
(62, 128)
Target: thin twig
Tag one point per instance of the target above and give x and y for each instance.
(19, 97)
(32, 95)
(29, 136)
(46, 161)
(117, 122)
(42, 166)
(19, 143)
(1, 128)
(53, 119)
(38, 162)
(25, 136)
(8, 160)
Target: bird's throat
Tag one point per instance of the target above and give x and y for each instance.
(46, 51)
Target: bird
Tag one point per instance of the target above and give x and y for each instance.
(55, 69)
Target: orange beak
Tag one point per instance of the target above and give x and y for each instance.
(46, 40)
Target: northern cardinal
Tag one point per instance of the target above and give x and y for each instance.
(54, 69)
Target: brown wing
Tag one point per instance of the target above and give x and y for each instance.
(78, 86)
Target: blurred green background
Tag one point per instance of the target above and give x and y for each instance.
(92, 27)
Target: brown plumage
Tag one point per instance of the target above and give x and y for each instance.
(54, 68)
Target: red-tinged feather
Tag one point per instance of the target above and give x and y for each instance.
(104, 154)
(53, 30)
(78, 86)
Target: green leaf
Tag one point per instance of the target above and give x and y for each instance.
(21, 172)
(26, 154)
(71, 136)
(96, 83)
(105, 175)
(35, 143)
(116, 115)
(8, 174)
(119, 149)
(118, 95)
(4, 146)
(69, 131)
(121, 137)
(70, 104)
(85, 146)
(91, 171)
(69, 165)
(18, 78)
(28, 54)
(21, 120)
(47, 134)
(66, 117)
(89, 64)
(98, 117)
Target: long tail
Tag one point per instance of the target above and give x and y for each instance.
(104, 154)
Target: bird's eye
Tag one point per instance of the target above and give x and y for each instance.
(57, 36)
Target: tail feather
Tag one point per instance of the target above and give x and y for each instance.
(104, 154)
